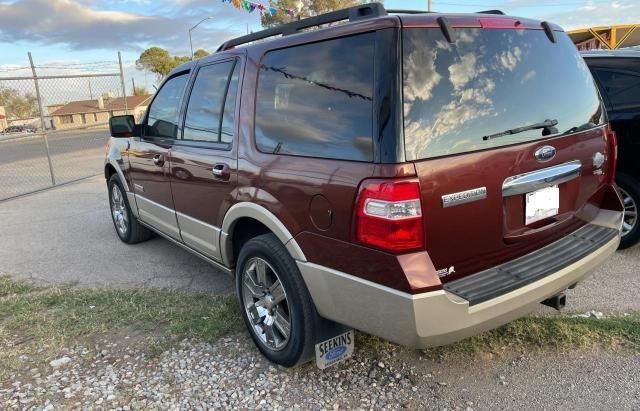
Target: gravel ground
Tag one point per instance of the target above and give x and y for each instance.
(231, 374)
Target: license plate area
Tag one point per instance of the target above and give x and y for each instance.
(542, 204)
(335, 350)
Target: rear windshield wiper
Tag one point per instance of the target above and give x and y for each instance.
(547, 125)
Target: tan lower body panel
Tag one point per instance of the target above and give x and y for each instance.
(433, 318)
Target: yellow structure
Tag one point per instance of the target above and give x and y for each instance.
(606, 37)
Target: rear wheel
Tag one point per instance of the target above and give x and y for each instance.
(629, 189)
(127, 227)
(274, 301)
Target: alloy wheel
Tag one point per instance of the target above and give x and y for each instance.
(265, 303)
(630, 212)
(119, 210)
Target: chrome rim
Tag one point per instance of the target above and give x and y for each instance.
(119, 210)
(265, 303)
(630, 212)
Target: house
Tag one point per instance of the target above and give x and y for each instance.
(3, 119)
(93, 112)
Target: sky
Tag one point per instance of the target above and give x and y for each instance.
(79, 33)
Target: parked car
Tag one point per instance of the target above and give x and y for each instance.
(617, 74)
(20, 129)
(419, 177)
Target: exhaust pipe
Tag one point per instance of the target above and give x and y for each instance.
(557, 301)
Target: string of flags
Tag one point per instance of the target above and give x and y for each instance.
(269, 10)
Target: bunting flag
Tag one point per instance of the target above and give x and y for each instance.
(270, 10)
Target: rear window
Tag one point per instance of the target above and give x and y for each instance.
(316, 100)
(490, 81)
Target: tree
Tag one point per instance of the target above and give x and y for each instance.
(200, 53)
(159, 62)
(310, 8)
(140, 91)
(17, 105)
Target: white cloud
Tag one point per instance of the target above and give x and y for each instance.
(81, 25)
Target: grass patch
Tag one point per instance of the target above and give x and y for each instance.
(53, 317)
(39, 321)
(557, 332)
(9, 286)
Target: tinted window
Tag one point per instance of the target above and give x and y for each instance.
(163, 113)
(316, 100)
(622, 88)
(490, 81)
(205, 108)
(228, 117)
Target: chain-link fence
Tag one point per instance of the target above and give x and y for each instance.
(54, 122)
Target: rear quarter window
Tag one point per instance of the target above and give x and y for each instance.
(489, 81)
(316, 100)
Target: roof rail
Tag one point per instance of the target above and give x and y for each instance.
(491, 12)
(366, 11)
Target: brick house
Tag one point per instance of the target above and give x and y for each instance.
(90, 112)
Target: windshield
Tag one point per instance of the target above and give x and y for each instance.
(490, 81)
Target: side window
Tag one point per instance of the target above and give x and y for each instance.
(316, 100)
(165, 109)
(210, 112)
(623, 88)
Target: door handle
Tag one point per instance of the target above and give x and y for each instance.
(221, 171)
(158, 160)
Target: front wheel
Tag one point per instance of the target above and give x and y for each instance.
(274, 301)
(629, 189)
(127, 227)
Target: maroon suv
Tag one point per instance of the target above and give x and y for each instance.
(420, 177)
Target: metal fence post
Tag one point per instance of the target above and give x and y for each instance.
(124, 90)
(42, 123)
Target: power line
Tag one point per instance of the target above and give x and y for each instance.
(506, 5)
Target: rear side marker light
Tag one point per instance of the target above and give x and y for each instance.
(389, 215)
(612, 147)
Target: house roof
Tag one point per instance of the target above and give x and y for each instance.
(91, 106)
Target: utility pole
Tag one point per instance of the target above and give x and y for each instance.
(90, 90)
(133, 83)
(193, 28)
(429, 6)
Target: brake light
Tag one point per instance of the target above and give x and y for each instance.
(389, 215)
(612, 147)
(500, 23)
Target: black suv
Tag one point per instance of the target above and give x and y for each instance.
(617, 74)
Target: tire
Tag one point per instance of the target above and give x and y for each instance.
(630, 192)
(128, 229)
(258, 297)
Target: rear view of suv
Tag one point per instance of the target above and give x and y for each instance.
(420, 177)
(617, 75)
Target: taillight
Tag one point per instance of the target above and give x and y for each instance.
(389, 215)
(612, 148)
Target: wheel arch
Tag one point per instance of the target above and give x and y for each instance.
(260, 220)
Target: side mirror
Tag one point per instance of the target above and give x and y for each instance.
(122, 126)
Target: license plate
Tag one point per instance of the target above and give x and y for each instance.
(541, 204)
(335, 350)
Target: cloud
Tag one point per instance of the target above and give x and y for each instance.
(81, 26)
(596, 14)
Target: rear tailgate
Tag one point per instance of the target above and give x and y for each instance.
(495, 115)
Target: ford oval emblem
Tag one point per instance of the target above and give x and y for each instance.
(336, 352)
(544, 154)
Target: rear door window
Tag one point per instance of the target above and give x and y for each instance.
(622, 88)
(490, 81)
(211, 106)
(316, 100)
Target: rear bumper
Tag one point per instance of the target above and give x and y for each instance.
(439, 317)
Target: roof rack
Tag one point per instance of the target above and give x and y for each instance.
(363, 12)
(366, 11)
